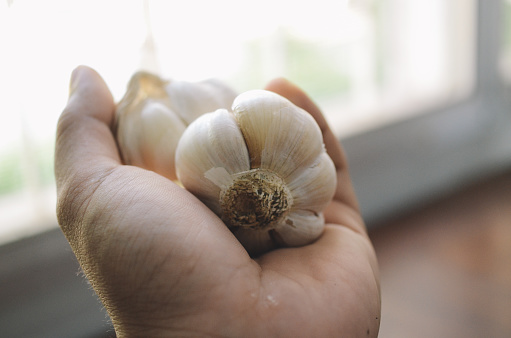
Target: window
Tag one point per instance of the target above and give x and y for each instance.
(416, 89)
(367, 63)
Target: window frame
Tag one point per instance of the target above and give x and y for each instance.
(403, 165)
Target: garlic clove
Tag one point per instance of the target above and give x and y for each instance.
(147, 130)
(301, 227)
(162, 130)
(141, 86)
(210, 151)
(148, 139)
(280, 136)
(154, 113)
(191, 100)
(262, 169)
(315, 186)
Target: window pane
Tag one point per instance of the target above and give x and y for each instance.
(365, 62)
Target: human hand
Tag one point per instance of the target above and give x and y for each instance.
(164, 265)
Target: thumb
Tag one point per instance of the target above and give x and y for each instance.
(84, 137)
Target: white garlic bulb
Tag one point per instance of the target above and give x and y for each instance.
(262, 168)
(153, 114)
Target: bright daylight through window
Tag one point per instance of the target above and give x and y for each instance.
(365, 62)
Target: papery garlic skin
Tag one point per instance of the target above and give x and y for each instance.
(210, 151)
(262, 168)
(153, 114)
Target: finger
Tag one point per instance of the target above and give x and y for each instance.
(84, 138)
(85, 149)
(344, 193)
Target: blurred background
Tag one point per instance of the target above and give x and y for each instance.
(417, 90)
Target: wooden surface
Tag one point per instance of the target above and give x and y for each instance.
(446, 268)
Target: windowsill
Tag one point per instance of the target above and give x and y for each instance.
(444, 149)
(347, 120)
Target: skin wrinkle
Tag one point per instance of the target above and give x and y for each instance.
(88, 217)
(121, 298)
(97, 219)
(75, 185)
(130, 203)
(162, 294)
(71, 123)
(211, 294)
(190, 261)
(234, 271)
(78, 194)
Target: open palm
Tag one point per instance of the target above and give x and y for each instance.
(164, 265)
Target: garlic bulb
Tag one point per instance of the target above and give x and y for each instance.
(262, 168)
(153, 114)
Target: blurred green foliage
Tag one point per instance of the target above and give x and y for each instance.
(11, 176)
(317, 68)
(14, 172)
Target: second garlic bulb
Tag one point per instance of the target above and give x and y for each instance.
(262, 168)
(153, 114)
